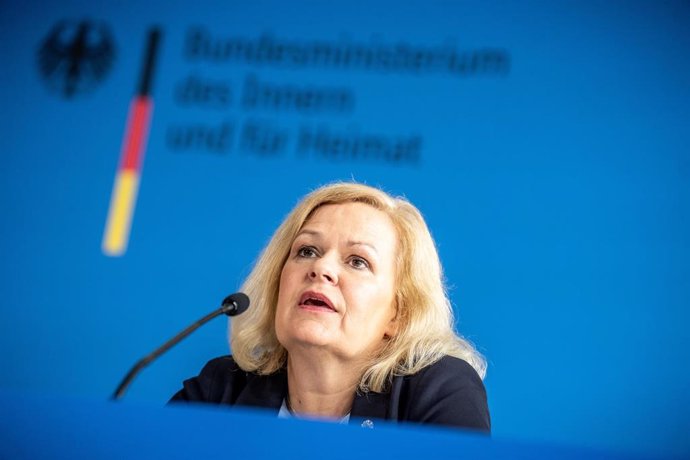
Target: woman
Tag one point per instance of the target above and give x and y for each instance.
(349, 321)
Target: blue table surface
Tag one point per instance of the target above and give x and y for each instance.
(35, 426)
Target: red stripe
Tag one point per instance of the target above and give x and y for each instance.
(134, 146)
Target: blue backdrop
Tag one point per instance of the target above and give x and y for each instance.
(546, 143)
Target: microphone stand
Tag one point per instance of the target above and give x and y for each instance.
(232, 305)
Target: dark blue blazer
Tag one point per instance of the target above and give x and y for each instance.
(449, 393)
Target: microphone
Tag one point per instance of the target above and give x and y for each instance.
(233, 305)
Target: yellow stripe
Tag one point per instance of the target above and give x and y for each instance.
(122, 203)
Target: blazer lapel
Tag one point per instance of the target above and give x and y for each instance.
(267, 391)
(367, 406)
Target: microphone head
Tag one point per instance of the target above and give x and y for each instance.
(236, 303)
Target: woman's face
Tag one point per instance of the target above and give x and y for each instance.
(337, 286)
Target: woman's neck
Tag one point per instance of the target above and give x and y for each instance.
(321, 388)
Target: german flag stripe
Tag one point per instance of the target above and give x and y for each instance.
(126, 186)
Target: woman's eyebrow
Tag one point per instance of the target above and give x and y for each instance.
(306, 231)
(363, 243)
(317, 234)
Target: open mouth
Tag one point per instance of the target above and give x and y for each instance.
(317, 301)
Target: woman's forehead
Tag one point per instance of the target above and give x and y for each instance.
(349, 216)
(357, 223)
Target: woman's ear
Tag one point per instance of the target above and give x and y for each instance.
(392, 327)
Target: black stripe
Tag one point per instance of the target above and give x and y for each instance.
(149, 61)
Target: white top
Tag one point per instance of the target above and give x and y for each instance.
(285, 413)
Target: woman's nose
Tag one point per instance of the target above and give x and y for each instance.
(324, 270)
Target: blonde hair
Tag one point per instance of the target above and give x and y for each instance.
(425, 330)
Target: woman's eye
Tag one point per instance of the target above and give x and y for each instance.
(358, 262)
(306, 251)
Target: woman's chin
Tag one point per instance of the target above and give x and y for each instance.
(305, 334)
(307, 331)
(307, 340)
